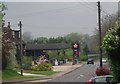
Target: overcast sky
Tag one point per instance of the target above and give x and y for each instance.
(52, 19)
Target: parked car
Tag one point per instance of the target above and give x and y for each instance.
(106, 79)
(90, 61)
(104, 60)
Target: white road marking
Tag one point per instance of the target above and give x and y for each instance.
(80, 76)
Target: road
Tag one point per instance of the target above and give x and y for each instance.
(82, 74)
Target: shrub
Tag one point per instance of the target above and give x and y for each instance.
(27, 62)
(111, 43)
(102, 71)
(83, 57)
(11, 59)
(43, 67)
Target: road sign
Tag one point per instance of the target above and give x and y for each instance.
(75, 47)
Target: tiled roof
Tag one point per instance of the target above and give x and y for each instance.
(6, 29)
(50, 46)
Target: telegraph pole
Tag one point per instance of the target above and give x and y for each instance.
(21, 50)
(99, 24)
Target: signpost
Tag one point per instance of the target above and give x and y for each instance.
(75, 48)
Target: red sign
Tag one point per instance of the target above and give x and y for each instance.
(75, 46)
(77, 53)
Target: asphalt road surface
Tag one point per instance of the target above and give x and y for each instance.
(82, 74)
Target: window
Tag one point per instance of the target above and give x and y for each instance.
(100, 80)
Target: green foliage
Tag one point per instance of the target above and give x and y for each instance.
(40, 40)
(69, 53)
(84, 40)
(111, 40)
(83, 57)
(53, 54)
(43, 67)
(111, 44)
(2, 8)
(107, 23)
(11, 60)
(73, 37)
(27, 62)
(57, 40)
(50, 53)
(85, 49)
(115, 70)
(8, 73)
(8, 53)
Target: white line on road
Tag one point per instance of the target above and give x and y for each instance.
(80, 76)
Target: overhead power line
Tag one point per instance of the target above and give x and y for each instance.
(88, 6)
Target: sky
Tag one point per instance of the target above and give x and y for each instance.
(53, 19)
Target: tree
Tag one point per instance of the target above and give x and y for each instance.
(107, 23)
(85, 49)
(27, 37)
(40, 40)
(111, 44)
(8, 47)
(74, 37)
(2, 8)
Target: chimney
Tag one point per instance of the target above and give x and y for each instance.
(9, 25)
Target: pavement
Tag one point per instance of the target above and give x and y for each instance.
(64, 69)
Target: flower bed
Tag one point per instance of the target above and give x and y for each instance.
(102, 71)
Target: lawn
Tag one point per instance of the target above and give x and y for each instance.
(13, 75)
(47, 73)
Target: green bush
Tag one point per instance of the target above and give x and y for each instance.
(43, 67)
(11, 60)
(27, 62)
(83, 57)
(111, 44)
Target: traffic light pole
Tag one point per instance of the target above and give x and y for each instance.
(100, 41)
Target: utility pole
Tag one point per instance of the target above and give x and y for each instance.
(99, 24)
(21, 50)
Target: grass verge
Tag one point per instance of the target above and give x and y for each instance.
(9, 74)
(13, 75)
(47, 73)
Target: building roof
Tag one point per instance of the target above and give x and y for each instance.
(6, 29)
(50, 46)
